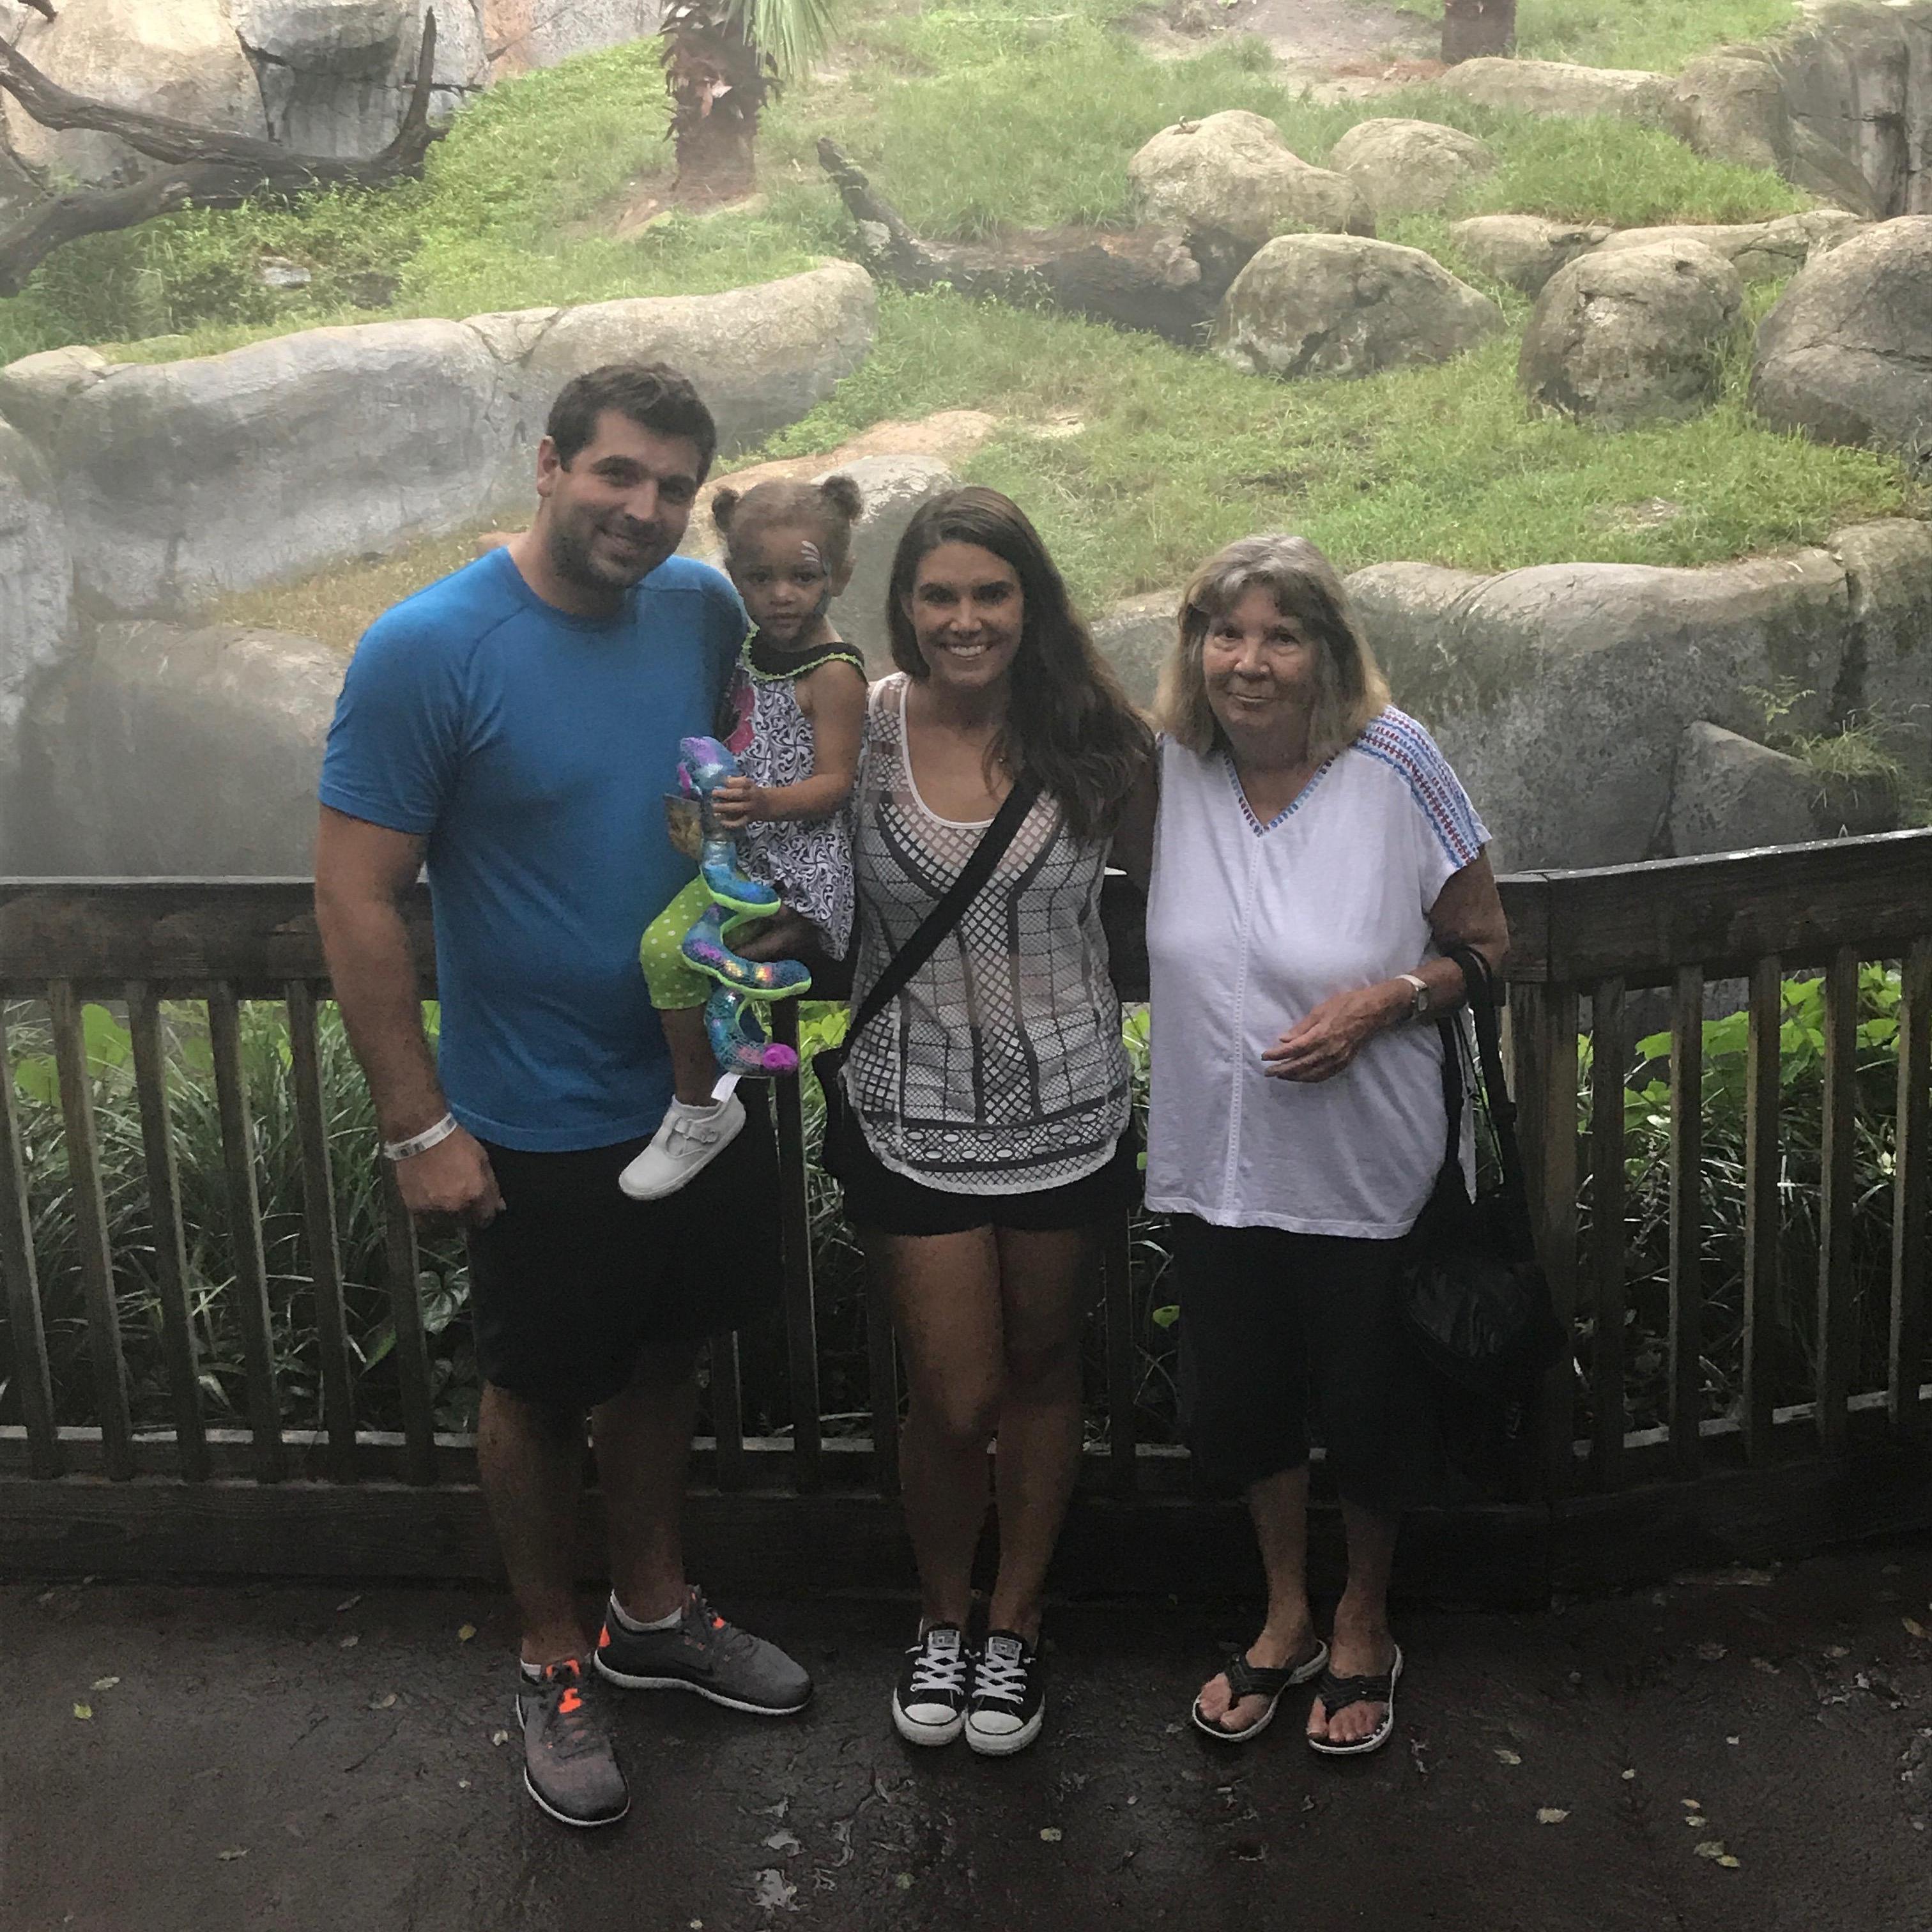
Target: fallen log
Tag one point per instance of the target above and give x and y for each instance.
(205, 167)
(1137, 278)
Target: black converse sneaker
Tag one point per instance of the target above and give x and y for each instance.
(929, 1703)
(1008, 1697)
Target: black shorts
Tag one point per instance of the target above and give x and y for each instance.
(574, 1281)
(1281, 1331)
(877, 1198)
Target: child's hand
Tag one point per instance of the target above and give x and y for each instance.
(737, 801)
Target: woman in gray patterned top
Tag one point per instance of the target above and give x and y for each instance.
(993, 1091)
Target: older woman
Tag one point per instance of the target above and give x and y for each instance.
(992, 1088)
(1312, 854)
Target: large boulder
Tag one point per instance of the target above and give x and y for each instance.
(1730, 795)
(165, 750)
(1847, 354)
(1232, 183)
(1841, 105)
(893, 487)
(35, 391)
(183, 480)
(1888, 567)
(1558, 87)
(1342, 305)
(36, 577)
(762, 356)
(334, 74)
(1760, 251)
(1560, 693)
(179, 57)
(1634, 334)
(1730, 105)
(1524, 250)
(1406, 167)
(1136, 636)
(1857, 77)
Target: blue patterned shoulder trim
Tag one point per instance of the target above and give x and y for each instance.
(1396, 740)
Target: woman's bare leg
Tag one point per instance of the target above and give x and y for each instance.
(1047, 1283)
(1280, 1506)
(1363, 1645)
(945, 1291)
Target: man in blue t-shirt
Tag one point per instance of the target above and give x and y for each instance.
(514, 728)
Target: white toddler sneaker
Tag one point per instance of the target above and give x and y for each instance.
(690, 1138)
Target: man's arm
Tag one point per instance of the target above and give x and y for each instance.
(361, 873)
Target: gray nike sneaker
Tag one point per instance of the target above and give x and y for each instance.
(703, 1653)
(570, 1767)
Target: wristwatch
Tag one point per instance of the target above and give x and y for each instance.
(1418, 1004)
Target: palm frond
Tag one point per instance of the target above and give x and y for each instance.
(789, 32)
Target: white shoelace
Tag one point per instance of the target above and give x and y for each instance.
(1001, 1676)
(941, 1671)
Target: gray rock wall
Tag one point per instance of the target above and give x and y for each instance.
(1841, 105)
(181, 481)
(1561, 694)
(148, 490)
(162, 749)
(327, 77)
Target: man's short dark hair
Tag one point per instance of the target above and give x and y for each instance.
(653, 395)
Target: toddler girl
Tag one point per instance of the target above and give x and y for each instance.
(794, 717)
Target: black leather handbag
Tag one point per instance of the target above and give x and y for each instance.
(842, 1130)
(1474, 1295)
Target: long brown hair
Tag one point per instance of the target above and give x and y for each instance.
(1067, 720)
(1350, 691)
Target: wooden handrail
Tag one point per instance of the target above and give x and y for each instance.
(1584, 944)
(1639, 922)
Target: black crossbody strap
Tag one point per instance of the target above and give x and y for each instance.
(1480, 983)
(945, 915)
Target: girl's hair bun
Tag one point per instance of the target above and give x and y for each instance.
(843, 494)
(724, 501)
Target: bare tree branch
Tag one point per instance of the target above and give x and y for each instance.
(208, 168)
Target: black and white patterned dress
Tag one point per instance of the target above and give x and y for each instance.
(809, 862)
(999, 1068)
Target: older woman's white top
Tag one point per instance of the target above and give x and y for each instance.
(1250, 927)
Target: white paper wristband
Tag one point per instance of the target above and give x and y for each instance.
(421, 1143)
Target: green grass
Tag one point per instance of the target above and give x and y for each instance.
(1659, 35)
(969, 116)
(975, 115)
(1179, 454)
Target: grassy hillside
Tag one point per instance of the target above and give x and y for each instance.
(972, 115)
(1659, 34)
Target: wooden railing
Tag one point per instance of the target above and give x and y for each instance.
(1620, 1498)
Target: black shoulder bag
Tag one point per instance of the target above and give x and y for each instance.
(841, 1129)
(1475, 1296)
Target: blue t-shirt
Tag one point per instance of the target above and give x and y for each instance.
(533, 749)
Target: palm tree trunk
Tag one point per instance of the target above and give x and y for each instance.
(718, 82)
(1472, 29)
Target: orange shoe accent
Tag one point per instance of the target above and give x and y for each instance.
(571, 1700)
(604, 1638)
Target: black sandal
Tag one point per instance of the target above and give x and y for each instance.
(1337, 1693)
(1259, 1680)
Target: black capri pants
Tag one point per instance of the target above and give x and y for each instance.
(1286, 1336)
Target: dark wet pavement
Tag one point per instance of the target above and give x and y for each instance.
(303, 1757)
